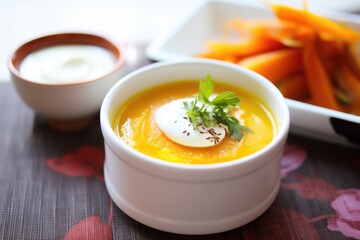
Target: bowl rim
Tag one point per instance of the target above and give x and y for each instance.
(117, 49)
(109, 134)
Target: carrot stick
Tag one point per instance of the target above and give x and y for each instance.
(319, 23)
(350, 56)
(247, 27)
(317, 80)
(256, 42)
(275, 65)
(329, 52)
(288, 33)
(348, 81)
(233, 58)
(292, 35)
(246, 47)
(294, 87)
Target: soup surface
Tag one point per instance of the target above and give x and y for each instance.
(134, 123)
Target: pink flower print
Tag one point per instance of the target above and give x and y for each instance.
(312, 188)
(91, 228)
(86, 161)
(347, 207)
(294, 157)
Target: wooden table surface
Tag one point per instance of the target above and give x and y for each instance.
(52, 186)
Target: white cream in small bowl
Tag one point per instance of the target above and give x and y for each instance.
(67, 63)
(64, 77)
(192, 198)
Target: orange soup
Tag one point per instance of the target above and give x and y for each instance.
(134, 123)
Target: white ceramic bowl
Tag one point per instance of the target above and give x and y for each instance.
(192, 199)
(67, 106)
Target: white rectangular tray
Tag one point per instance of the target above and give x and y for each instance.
(205, 21)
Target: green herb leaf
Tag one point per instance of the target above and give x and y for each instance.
(236, 130)
(192, 111)
(226, 99)
(216, 109)
(206, 88)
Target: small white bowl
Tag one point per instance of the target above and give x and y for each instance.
(192, 199)
(66, 106)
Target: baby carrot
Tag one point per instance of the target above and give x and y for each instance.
(317, 79)
(294, 87)
(275, 65)
(319, 23)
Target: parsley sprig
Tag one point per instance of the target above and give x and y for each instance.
(215, 111)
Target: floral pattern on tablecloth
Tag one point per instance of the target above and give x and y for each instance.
(345, 202)
(347, 217)
(87, 161)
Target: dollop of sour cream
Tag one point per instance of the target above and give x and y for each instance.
(67, 63)
(172, 120)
